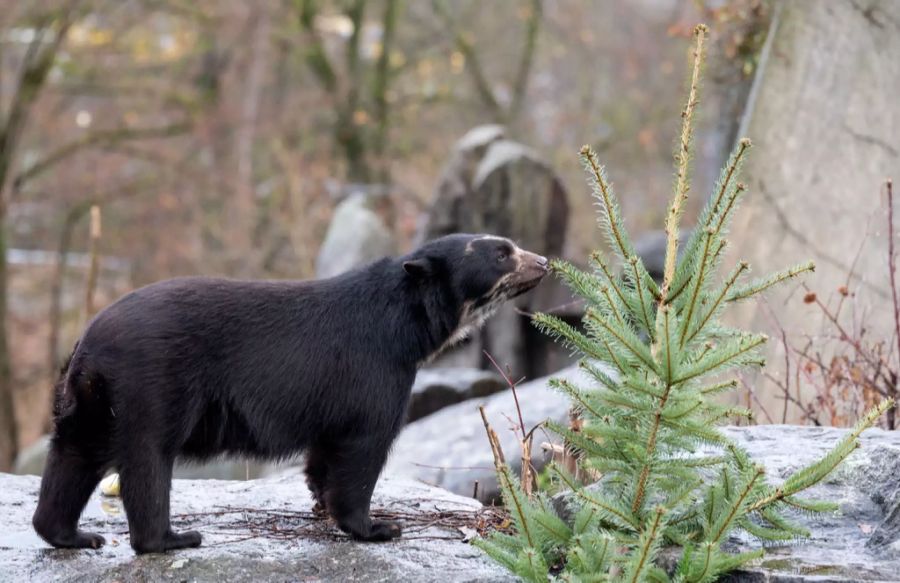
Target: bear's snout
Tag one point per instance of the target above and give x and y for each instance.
(533, 264)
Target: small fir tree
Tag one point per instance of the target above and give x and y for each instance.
(657, 355)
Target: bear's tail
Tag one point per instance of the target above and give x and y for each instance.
(79, 395)
(63, 400)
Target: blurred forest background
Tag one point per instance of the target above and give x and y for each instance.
(217, 136)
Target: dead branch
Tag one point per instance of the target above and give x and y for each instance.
(94, 268)
(246, 523)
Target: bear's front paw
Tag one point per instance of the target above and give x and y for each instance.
(382, 531)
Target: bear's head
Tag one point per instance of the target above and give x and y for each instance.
(472, 275)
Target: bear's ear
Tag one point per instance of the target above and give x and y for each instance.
(418, 268)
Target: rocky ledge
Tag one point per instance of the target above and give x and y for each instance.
(860, 543)
(257, 530)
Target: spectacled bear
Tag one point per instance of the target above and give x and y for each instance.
(197, 367)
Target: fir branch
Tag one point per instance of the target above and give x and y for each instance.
(516, 501)
(716, 304)
(597, 260)
(707, 218)
(611, 302)
(554, 526)
(642, 292)
(621, 516)
(730, 206)
(762, 284)
(625, 338)
(599, 375)
(717, 388)
(557, 328)
(535, 568)
(635, 383)
(765, 533)
(671, 355)
(583, 284)
(682, 159)
(816, 472)
(577, 440)
(729, 173)
(649, 542)
(779, 522)
(714, 413)
(640, 488)
(707, 563)
(611, 215)
(697, 281)
(720, 357)
(622, 367)
(576, 394)
(811, 506)
(737, 506)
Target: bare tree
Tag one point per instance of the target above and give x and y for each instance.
(50, 32)
(347, 88)
(507, 114)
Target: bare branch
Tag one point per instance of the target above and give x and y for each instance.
(101, 138)
(473, 64)
(532, 25)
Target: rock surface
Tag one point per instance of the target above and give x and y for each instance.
(859, 543)
(230, 552)
(436, 388)
(449, 449)
(815, 191)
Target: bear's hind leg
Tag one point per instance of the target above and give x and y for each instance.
(145, 481)
(352, 473)
(317, 476)
(68, 482)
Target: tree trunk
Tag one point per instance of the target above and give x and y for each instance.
(244, 207)
(9, 429)
(380, 91)
(37, 64)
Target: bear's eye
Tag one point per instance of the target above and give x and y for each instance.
(502, 254)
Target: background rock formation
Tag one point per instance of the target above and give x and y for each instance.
(495, 185)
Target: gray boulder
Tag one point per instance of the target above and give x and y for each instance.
(449, 448)
(231, 551)
(494, 185)
(814, 188)
(357, 235)
(32, 459)
(436, 388)
(862, 541)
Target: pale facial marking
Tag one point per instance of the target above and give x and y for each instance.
(472, 318)
(470, 245)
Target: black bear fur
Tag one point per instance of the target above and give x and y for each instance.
(196, 367)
